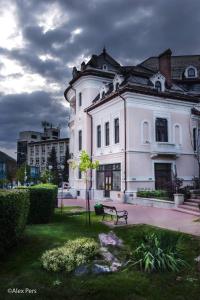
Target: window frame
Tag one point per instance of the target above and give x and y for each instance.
(80, 99)
(116, 131)
(80, 140)
(107, 134)
(102, 171)
(98, 136)
(166, 130)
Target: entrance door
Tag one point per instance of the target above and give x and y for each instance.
(108, 183)
(163, 175)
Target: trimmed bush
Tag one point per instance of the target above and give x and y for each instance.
(71, 255)
(14, 208)
(159, 194)
(43, 198)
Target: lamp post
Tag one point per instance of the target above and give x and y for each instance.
(62, 168)
(50, 168)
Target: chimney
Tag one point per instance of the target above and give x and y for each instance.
(165, 66)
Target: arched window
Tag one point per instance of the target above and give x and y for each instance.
(105, 67)
(103, 94)
(191, 72)
(145, 133)
(158, 86)
(117, 86)
(177, 134)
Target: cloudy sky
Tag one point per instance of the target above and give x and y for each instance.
(41, 40)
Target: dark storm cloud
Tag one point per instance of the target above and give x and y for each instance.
(131, 30)
(26, 112)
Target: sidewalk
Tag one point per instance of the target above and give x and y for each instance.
(164, 218)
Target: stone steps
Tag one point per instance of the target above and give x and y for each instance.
(192, 203)
(187, 211)
(194, 200)
(189, 207)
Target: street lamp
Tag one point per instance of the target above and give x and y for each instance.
(62, 168)
(50, 168)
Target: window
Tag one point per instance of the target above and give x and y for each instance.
(117, 86)
(80, 140)
(109, 173)
(80, 99)
(98, 136)
(195, 139)
(107, 138)
(33, 136)
(161, 130)
(116, 130)
(191, 72)
(103, 94)
(104, 67)
(79, 174)
(158, 86)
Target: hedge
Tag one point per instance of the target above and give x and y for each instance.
(160, 194)
(43, 198)
(14, 208)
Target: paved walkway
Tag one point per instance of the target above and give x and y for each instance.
(164, 218)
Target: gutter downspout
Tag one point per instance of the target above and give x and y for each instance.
(91, 145)
(125, 144)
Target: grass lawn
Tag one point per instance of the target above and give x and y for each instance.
(22, 269)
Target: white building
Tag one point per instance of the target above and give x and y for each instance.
(140, 122)
(34, 147)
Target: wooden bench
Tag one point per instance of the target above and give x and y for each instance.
(113, 212)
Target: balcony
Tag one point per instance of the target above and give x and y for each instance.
(165, 149)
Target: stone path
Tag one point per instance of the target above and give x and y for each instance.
(164, 218)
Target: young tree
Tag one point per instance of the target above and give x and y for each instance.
(52, 161)
(66, 166)
(86, 165)
(23, 174)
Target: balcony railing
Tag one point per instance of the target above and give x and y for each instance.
(169, 149)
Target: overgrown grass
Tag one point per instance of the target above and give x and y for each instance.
(22, 268)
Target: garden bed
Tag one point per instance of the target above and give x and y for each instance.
(23, 269)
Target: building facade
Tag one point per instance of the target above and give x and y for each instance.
(140, 122)
(35, 147)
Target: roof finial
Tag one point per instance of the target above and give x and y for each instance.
(104, 49)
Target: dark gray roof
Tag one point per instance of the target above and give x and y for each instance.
(178, 64)
(5, 158)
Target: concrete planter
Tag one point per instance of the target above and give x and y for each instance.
(178, 199)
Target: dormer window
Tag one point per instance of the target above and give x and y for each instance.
(117, 81)
(104, 89)
(190, 72)
(158, 81)
(158, 86)
(105, 67)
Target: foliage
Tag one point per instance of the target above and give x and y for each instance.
(186, 191)
(14, 207)
(52, 161)
(196, 182)
(22, 267)
(156, 253)
(3, 182)
(72, 254)
(66, 166)
(174, 186)
(43, 199)
(46, 176)
(160, 194)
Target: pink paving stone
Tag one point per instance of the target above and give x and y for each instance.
(164, 218)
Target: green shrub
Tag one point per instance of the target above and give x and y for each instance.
(68, 257)
(43, 198)
(158, 253)
(153, 194)
(14, 208)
